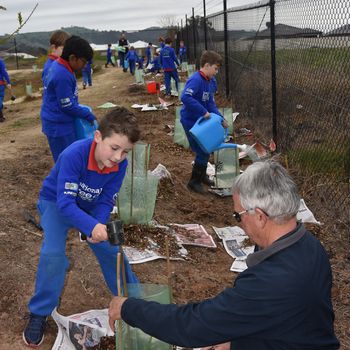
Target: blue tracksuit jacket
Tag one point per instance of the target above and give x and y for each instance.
(78, 190)
(197, 99)
(156, 63)
(182, 53)
(109, 52)
(4, 77)
(60, 101)
(51, 58)
(168, 58)
(281, 302)
(148, 55)
(132, 56)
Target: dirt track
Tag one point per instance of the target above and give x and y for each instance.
(24, 162)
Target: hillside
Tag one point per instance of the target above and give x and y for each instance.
(36, 43)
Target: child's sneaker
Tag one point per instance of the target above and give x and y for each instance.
(33, 335)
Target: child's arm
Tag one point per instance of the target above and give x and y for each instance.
(4, 74)
(174, 57)
(67, 193)
(68, 102)
(189, 101)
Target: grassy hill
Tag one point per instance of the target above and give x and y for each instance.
(37, 43)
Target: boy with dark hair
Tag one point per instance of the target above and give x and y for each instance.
(149, 54)
(156, 67)
(198, 101)
(60, 99)
(109, 56)
(57, 40)
(4, 82)
(80, 192)
(132, 58)
(168, 60)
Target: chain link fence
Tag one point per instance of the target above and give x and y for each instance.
(287, 69)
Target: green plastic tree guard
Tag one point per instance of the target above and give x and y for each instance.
(226, 167)
(180, 137)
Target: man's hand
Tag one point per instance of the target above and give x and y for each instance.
(98, 234)
(206, 115)
(115, 310)
(225, 124)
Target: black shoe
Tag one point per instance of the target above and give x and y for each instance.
(33, 335)
(2, 119)
(195, 183)
(206, 180)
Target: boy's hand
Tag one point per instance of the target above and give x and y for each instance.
(225, 124)
(207, 115)
(98, 234)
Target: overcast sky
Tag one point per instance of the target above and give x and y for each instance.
(101, 14)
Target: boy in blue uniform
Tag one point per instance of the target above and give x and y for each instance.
(4, 81)
(156, 63)
(132, 58)
(109, 56)
(198, 101)
(57, 40)
(168, 60)
(86, 72)
(80, 192)
(149, 54)
(182, 52)
(60, 99)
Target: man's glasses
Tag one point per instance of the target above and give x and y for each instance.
(237, 216)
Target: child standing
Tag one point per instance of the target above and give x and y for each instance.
(57, 40)
(109, 56)
(123, 47)
(132, 58)
(168, 60)
(149, 54)
(60, 100)
(80, 192)
(182, 52)
(86, 72)
(4, 81)
(198, 101)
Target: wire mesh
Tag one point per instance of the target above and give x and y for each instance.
(312, 70)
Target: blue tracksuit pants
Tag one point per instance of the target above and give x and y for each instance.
(86, 78)
(201, 157)
(53, 263)
(58, 144)
(132, 64)
(2, 94)
(167, 80)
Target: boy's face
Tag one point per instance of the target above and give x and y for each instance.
(77, 64)
(57, 50)
(111, 150)
(210, 70)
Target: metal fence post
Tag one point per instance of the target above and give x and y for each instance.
(273, 72)
(227, 80)
(205, 26)
(194, 37)
(187, 40)
(15, 42)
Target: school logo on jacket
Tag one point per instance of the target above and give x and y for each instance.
(205, 96)
(66, 102)
(87, 193)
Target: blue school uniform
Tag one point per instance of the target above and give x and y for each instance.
(132, 58)
(60, 107)
(156, 64)
(197, 99)
(76, 194)
(86, 73)
(51, 58)
(109, 57)
(4, 80)
(168, 60)
(148, 55)
(140, 63)
(182, 54)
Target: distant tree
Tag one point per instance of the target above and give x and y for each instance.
(20, 22)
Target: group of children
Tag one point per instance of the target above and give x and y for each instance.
(81, 188)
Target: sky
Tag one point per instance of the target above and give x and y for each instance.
(102, 14)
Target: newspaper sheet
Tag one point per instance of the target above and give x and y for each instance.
(81, 331)
(233, 238)
(193, 234)
(305, 214)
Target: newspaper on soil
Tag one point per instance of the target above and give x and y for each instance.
(81, 331)
(193, 234)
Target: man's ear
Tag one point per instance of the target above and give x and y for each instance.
(262, 217)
